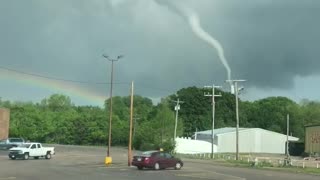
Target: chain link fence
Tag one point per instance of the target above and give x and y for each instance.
(271, 161)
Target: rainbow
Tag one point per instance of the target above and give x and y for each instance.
(67, 88)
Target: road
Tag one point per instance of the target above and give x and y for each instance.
(77, 163)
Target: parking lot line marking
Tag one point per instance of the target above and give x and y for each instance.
(7, 178)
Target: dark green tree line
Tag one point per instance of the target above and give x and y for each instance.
(57, 120)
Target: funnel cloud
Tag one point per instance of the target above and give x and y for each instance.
(192, 18)
(198, 30)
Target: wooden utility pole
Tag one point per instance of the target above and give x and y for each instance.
(130, 129)
(213, 95)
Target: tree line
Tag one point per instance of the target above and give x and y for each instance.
(57, 120)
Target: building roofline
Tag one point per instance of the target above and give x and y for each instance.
(249, 129)
(313, 125)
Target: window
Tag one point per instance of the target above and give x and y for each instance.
(162, 155)
(156, 155)
(148, 153)
(38, 145)
(25, 145)
(168, 156)
(33, 146)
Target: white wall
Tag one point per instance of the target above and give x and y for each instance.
(272, 142)
(207, 137)
(247, 142)
(254, 140)
(190, 146)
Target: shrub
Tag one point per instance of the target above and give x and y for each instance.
(168, 146)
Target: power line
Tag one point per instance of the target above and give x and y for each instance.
(139, 85)
(142, 86)
(76, 81)
(55, 78)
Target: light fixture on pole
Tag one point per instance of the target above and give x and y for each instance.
(108, 158)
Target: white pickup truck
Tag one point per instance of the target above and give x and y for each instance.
(34, 150)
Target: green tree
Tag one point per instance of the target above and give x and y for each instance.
(270, 113)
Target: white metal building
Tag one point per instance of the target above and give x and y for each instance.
(251, 140)
(190, 146)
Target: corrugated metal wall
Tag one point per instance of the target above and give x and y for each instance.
(4, 123)
(247, 142)
(312, 139)
(273, 142)
(254, 141)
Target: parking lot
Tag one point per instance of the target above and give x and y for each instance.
(76, 163)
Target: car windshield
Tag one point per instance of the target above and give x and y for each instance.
(25, 145)
(15, 140)
(148, 153)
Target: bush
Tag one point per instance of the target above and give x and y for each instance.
(169, 146)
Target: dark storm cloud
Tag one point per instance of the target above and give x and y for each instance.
(267, 42)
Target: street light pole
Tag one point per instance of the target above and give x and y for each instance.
(287, 144)
(177, 108)
(110, 113)
(236, 90)
(237, 115)
(213, 114)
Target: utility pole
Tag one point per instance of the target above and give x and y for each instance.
(287, 147)
(135, 118)
(176, 108)
(110, 113)
(236, 90)
(213, 95)
(130, 129)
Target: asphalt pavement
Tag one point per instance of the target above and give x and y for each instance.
(77, 163)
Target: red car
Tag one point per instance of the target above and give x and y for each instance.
(156, 160)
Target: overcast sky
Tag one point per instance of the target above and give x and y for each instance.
(274, 44)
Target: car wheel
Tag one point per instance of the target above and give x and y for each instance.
(13, 158)
(156, 166)
(178, 166)
(26, 156)
(140, 167)
(48, 155)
